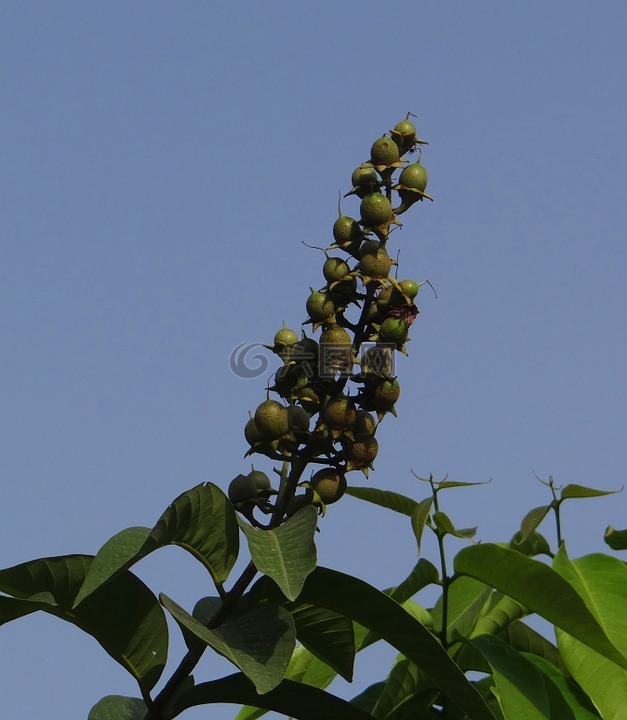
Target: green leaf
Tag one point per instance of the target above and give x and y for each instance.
(577, 700)
(531, 521)
(123, 616)
(616, 539)
(384, 498)
(286, 554)
(533, 544)
(117, 707)
(419, 519)
(290, 698)
(601, 581)
(424, 573)
(260, 642)
(327, 635)
(201, 521)
(500, 612)
(445, 525)
(466, 597)
(374, 610)
(456, 484)
(523, 638)
(404, 682)
(367, 699)
(522, 689)
(539, 588)
(579, 491)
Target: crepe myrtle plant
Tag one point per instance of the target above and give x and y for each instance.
(289, 626)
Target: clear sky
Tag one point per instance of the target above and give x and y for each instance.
(161, 164)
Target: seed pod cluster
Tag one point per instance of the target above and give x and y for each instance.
(332, 391)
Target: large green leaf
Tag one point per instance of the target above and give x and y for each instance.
(286, 554)
(525, 639)
(578, 701)
(499, 612)
(539, 588)
(384, 498)
(290, 698)
(601, 580)
(376, 611)
(259, 642)
(117, 707)
(424, 573)
(403, 683)
(123, 616)
(523, 690)
(201, 520)
(327, 635)
(466, 597)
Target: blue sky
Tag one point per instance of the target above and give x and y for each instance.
(162, 164)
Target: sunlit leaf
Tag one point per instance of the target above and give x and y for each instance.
(499, 612)
(525, 639)
(579, 491)
(373, 609)
(533, 544)
(117, 707)
(302, 702)
(384, 498)
(457, 484)
(616, 539)
(424, 573)
(286, 554)
(523, 690)
(419, 519)
(201, 521)
(601, 580)
(123, 616)
(539, 588)
(577, 700)
(466, 597)
(445, 525)
(531, 521)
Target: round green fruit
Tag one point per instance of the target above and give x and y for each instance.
(242, 489)
(261, 480)
(335, 269)
(329, 484)
(285, 336)
(319, 306)
(394, 330)
(375, 264)
(346, 230)
(376, 210)
(340, 413)
(413, 177)
(272, 419)
(384, 151)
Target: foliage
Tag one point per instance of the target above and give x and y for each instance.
(290, 626)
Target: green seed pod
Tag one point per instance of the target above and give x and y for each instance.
(394, 330)
(329, 484)
(319, 306)
(375, 264)
(376, 210)
(384, 151)
(242, 489)
(340, 413)
(334, 269)
(272, 419)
